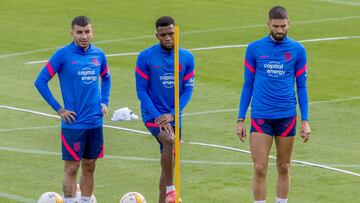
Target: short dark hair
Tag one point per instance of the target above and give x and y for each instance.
(278, 12)
(164, 21)
(80, 21)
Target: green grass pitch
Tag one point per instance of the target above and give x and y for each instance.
(30, 161)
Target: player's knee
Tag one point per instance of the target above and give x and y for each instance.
(71, 169)
(283, 168)
(167, 140)
(260, 169)
(88, 166)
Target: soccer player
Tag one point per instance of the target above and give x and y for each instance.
(155, 89)
(272, 65)
(79, 66)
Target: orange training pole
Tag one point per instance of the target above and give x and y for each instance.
(177, 114)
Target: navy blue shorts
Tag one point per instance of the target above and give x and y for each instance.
(284, 127)
(155, 131)
(80, 144)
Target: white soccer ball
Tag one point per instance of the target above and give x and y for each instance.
(50, 197)
(133, 197)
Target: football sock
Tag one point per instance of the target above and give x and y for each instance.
(278, 200)
(170, 188)
(69, 200)
(85, 199)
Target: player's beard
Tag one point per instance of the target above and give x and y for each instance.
(167, 47)
(278, 37)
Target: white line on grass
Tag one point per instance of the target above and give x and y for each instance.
(29, 128)
(294, 161)
(126, 158)
(16, 197)
(35, 62)
(232, 110)
(217, 47)
(335, 100)
(349, 3)
(198, 162)
(195, 143)
(188, 32)
(127, 129)
(185, 114)
(29, 111)
(55, 116)
(303, 41)
(264, 24)
(210, 112)
(123, 54)
(27, 52)
(329, 39)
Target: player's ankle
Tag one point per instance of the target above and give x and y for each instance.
(170, 188)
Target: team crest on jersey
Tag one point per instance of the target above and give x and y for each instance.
(76, 146)
(95, 61)
(287, 56)
(260, 121)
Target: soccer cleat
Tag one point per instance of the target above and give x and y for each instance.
(170, 197)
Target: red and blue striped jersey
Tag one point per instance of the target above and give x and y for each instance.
(154, 75)
(271, 69)
(78, 73)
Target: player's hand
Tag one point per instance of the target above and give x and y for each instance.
(66, 115)
(241, 130)
(167, 128)
(305, 131)
(104, 109)
(164, 119)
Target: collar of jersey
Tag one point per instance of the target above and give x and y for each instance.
(78, 49)
(279, 42)
(162, 50)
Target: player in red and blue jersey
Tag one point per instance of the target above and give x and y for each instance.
(155, 89)
(79, 66)
(272, 65)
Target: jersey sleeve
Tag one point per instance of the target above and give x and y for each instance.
(105, 81)
(142, 83)
(249, 75)
(188, 82)
(301, 88)
(49, 70)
